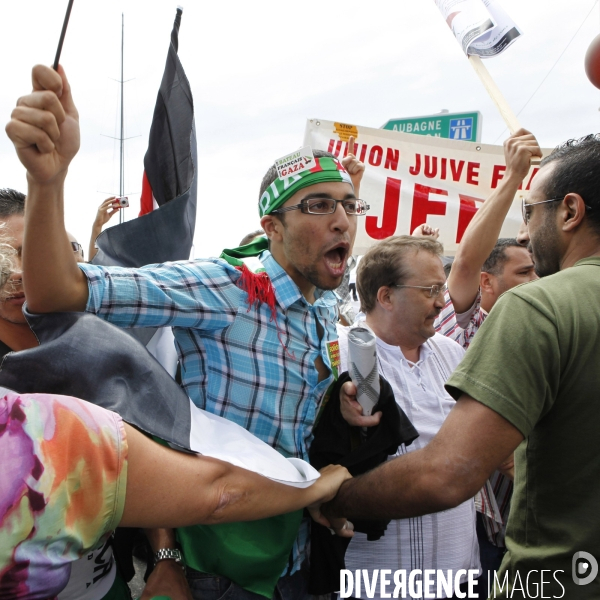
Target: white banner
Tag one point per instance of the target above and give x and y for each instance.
(411, 179)
(480, 26)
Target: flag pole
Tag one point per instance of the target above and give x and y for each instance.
(495, 94)
(506, 112)
(62, 35)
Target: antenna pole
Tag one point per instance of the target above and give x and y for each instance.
(122, 136)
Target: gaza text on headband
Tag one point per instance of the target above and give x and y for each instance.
(296, 171)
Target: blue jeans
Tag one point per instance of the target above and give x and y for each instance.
(215, 587)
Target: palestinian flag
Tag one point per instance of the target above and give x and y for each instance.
(164, 231)
(83, 356)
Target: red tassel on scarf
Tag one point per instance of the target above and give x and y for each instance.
(260, 290)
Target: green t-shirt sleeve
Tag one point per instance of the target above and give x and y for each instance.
(513, 363)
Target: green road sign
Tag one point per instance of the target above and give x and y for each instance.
(465, 127)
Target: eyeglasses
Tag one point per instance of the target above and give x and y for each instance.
(77, 247)
(434, 290)
(524, 207)
(327, 206)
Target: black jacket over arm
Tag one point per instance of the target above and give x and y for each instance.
(337, 442)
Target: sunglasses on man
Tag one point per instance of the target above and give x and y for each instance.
(526, 210)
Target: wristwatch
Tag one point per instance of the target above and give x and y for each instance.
(168, 554)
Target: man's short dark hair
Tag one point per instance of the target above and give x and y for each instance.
(11, 203)
(271, 174)
(495, 262)
(250, 236)
(577, 170)
(385, 264)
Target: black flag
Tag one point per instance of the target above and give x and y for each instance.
(169, 182)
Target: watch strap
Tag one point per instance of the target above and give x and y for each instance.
(168, 554)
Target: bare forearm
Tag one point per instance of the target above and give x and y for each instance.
(52, 279)
(247, 496)
(44, 128)
(166, 488)
(96, 231)
(407, 486)
(160, 538)
(478, 242)
(229, 495)
(471, 444)
(484, 229)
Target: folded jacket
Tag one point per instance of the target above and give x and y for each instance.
(337, 442)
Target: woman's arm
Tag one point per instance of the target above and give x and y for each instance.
(166, 488)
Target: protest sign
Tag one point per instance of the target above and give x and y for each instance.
(410, 180)
(481, 27)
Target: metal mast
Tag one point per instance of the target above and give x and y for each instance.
(122, 135)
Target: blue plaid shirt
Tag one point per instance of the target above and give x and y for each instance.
(236, 362)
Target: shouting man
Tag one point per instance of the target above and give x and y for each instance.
(253, 331)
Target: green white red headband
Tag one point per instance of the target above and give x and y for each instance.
(296, 171)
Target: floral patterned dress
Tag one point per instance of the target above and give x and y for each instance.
(63, 473)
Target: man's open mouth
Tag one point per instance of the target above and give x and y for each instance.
(335, 258)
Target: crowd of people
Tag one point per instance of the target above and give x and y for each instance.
(498, 480)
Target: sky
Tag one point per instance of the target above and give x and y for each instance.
(259, 70)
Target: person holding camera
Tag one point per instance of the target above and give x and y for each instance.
(109, 207)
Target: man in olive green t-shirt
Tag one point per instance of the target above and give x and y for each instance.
(529, 382)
